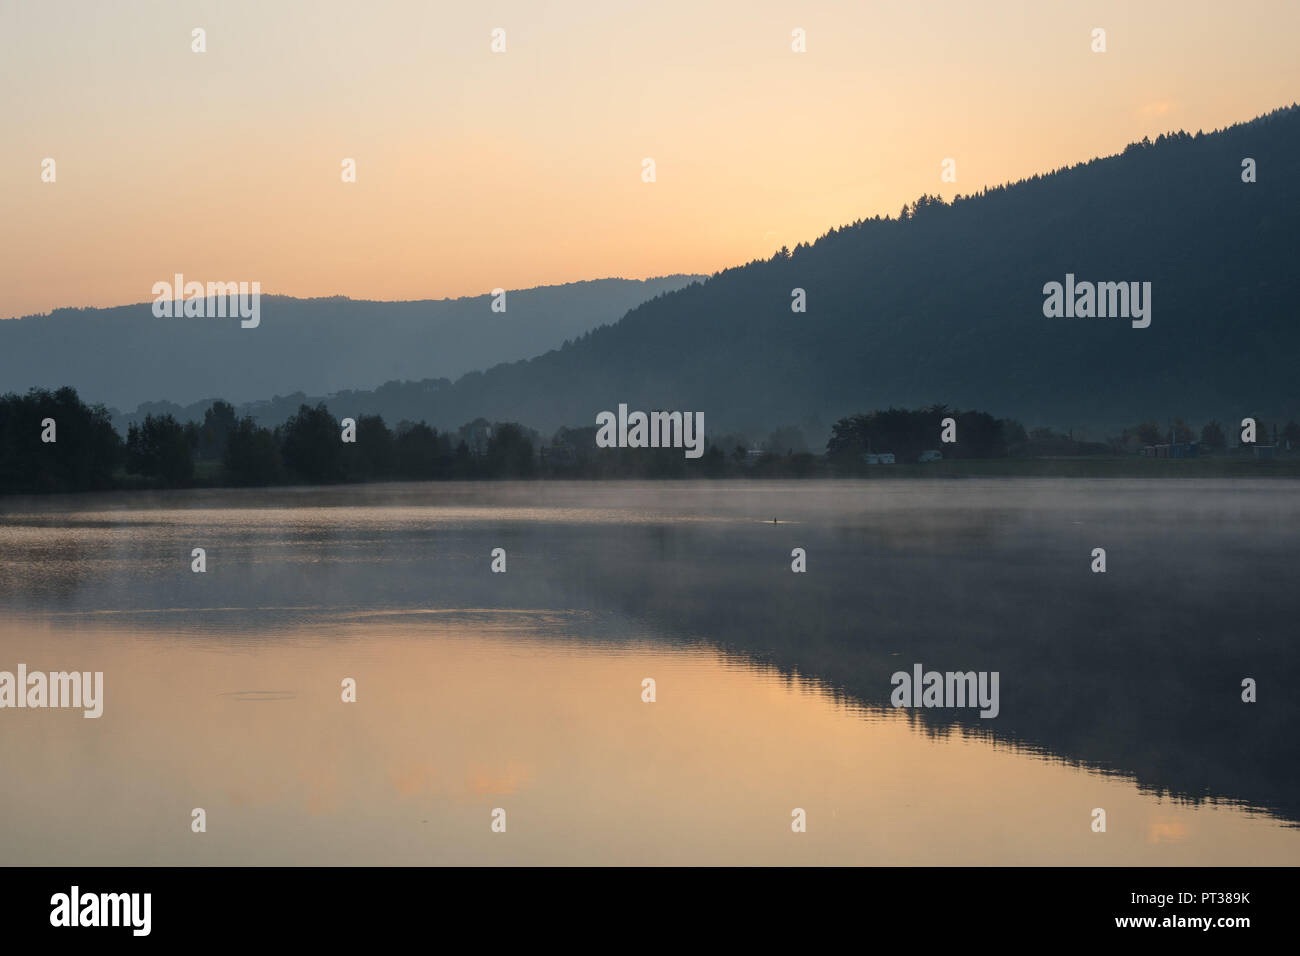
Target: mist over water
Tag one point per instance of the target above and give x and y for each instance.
(523, 690)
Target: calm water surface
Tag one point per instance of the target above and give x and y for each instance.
(523, 690)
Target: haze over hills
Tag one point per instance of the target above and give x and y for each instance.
(124, 356)
(946, 304)
(943, 304)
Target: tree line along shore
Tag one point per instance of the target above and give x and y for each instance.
(52, 441)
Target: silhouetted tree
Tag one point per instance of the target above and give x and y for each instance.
(312, 445)
(373, 456)
(218, 421)
(509, 452)
(83, 456)
(159, 447)
(421, 452)
(1150, 433)
(252, 456)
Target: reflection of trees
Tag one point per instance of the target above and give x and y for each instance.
(1136, 673)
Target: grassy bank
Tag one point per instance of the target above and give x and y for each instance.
(1093, 466)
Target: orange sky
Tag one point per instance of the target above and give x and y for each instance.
(478, 170)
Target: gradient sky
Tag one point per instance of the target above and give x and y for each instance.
(478, 170)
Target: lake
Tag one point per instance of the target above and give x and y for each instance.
(522, 691)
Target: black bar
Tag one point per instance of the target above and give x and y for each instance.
(986, 905)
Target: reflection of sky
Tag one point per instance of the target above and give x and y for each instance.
(454, 720)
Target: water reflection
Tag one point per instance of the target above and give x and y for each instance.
(522, 690)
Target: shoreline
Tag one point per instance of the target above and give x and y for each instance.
(1077, 468)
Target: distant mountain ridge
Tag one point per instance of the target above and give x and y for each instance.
(942, 304)
(946, 304)
(125, 355)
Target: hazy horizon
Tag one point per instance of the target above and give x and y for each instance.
(365, 300)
